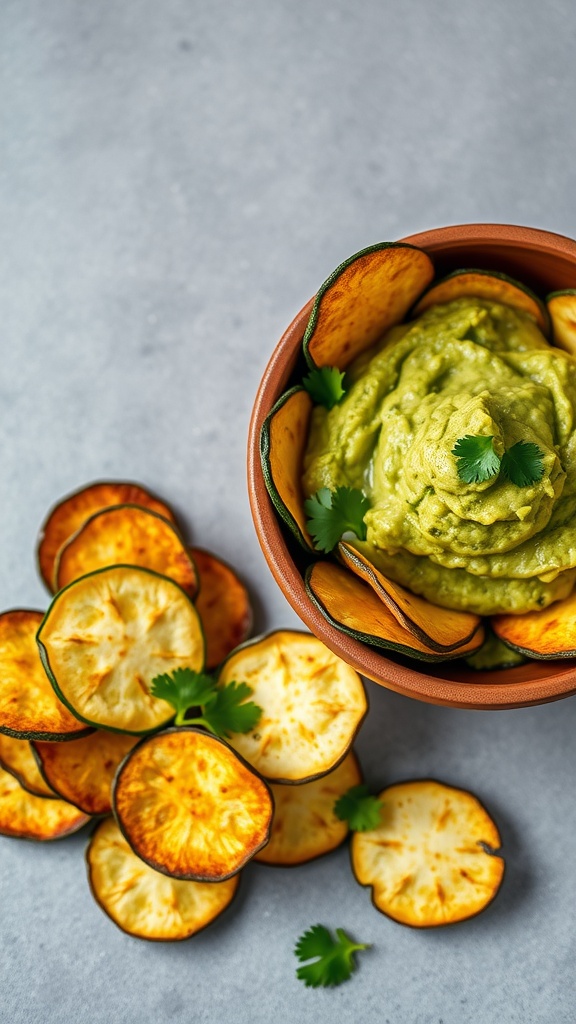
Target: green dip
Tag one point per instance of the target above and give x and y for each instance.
(470, 366)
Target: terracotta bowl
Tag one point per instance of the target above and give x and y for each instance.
(544, 261)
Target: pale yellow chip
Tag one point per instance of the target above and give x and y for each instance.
(25, 816)
(304, 824)
(431, 860)
(107, 635)
(312, 705)
(144, 902)
(17, 758)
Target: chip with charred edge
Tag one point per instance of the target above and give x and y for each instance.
(304, 825)
(432, 860)
(82, 771)
(223, 606)
(144, 902)
(282, 446)
(29, 708)
(16, 757)
(107, 635)
(312, 705)
(126, 535)
(72, 511)
(549, 633)
(190, 807)
(26, 816)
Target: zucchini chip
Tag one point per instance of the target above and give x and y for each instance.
(82, 772)
(26, 816)
(282, 445)
(29, 708)
(190, 807)
(223, 606)
(562, 310)
(362, 299)
(549, 633)
(126, 535)
(107, 635)
(312, 705)
(353, 608)
(72, 511)
(144, 902)
(484, 284)
(17, 758)
(439, 628)
(431, 861)
(304, 825)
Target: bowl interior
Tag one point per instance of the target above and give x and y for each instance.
(545, 262)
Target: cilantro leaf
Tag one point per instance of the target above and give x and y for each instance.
(522, 464)
(333, 513)
(325, 386)
(335, 962)
(228, 711)
(477, 460)
(184, 688)
(361, 810)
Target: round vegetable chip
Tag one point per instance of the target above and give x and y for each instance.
(82, 771)
(190, 807)
(144, 902)
(304, 825)
(432, 859)
(70, 513)
(17, 758)
(312, 705)
(126, 535)
(107, 635)
(26, 816)
(29, 708)
(223, 606)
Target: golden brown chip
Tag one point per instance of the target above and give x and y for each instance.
(431, 861)
(126, 535)
(26, 816)
(190, 807)
(82, 771)
(17, 758)
(223, 606)
(550, 633)
(107, 635)
(69, 514)
(304, 825)
(482, 284)
(562, 310)
(29, 707)
(144, 902)
(283, 443)
(312, 705)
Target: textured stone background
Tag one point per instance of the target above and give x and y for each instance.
(176, 180)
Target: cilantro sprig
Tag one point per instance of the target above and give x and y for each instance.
(361, 810)
(223, 709)
(522, 464)
(333, 513)
(325, 386)
(333, 959)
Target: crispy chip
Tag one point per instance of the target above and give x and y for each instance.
(282, 446)
(223, 606)
(16, 757)
(82, 771)
(549, 633)
(26, 816)
(483, 284)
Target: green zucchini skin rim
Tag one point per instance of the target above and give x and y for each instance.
(561, 293)
(313, 320)
(318, 775)
(500, 276)
(48, 669)
(202, 732)
(265, 450)
(22, 782)
(557, 656)
(495, 853)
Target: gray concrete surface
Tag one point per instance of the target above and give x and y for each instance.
(176, 180)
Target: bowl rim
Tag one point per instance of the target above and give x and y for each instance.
(510, 688)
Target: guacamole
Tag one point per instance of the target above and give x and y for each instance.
(470, 366)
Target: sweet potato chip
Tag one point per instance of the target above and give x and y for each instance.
(223, 606)
(362, 299)
(550, 633)
(144, 902)
(72, 511)
(562, 310)
(26, 816)
(312, 705)
(17, 758)
(126, 535)
(107, 635)
(282, 445)
(431, 861)
(483, 284)
(190, 807)
(304, 825)
(81, 772)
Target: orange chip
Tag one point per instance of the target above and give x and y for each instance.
(25, 816)
(16, 757)
(223, 606)
(82, 771)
